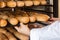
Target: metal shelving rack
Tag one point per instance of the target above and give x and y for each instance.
(47, 8)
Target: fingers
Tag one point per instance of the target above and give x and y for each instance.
(52, 19)
(22, 25)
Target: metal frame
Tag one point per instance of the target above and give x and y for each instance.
(55, 8)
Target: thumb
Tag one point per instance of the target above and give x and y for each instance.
(17, 28)
(22, 25)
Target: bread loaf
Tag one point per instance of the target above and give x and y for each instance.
(26, 0)
(3, 23)
(36, 3)
(11, 4)
(4, 17)
(23, 17)
(8, 34)
(42, 17)
(43, 2)
(0, 22)
(32, 17)
(2, 4)
(12, 20)
(20, 3)
(3, 37)
(28, 3)
(17, 34)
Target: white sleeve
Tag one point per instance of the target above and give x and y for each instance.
(51, 32)
(34, 34)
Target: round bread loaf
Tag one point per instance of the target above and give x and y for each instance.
(13, 21)
(11, 4)
(3, 23)
(23, 17)
(20, 3)
(36, 3)
(28, 3)
(32, 17)
(2, 4)
(43, 2)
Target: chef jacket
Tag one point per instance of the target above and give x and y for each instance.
(50, 32)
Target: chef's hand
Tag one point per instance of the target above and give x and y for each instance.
(23, 29)
(54, 19)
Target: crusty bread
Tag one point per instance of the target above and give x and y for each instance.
(13, 21)
(32, 17)
(43, 2)
(28, 3)
(2, 4)
(3, 37)
(3, 23)
(17, 34)
(20, 3)
(42, 17)
(4, 16)
(23, 17)
(36, 3)
(8, 34)
(11, 4)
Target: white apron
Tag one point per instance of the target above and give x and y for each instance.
(50, 32)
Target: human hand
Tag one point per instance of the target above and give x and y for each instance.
(23, 29)
(54, 19)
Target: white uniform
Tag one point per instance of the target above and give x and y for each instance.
(50, 32)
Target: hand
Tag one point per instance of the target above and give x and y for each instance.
(23, 29)
(54, 19)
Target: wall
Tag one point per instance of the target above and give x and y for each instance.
(59, 8)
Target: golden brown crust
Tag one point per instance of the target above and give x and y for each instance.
(32, 17)
(17, 34)
(36, 2)
(3, 16)
(20, 3)
(8, 34)
(2, 4)
(11, 4)
(3, 37)
(28, 3)
(42, 17)
(13, 21)
(3, 22)
(43, 2)
(23, 17)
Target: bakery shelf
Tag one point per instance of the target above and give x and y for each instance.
(32, 10)
(48, 5)
(33, 6)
